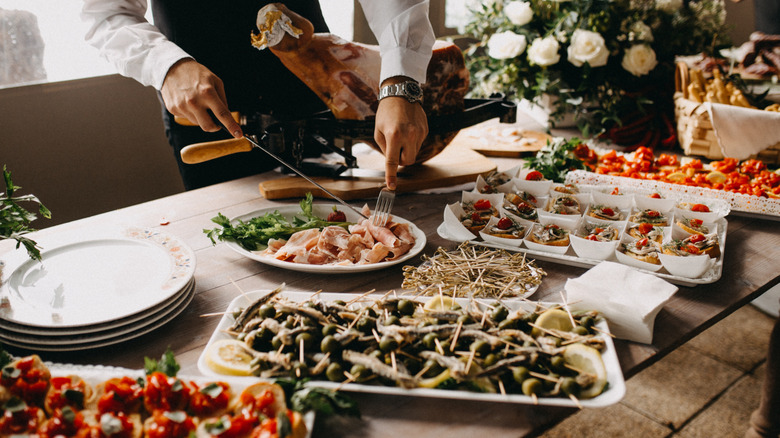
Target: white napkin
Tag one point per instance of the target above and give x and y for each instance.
(627, 298)
(742, 132)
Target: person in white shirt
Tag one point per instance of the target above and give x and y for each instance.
(199, 57)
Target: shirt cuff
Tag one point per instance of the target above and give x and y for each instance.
(159, 61)
(401, 61)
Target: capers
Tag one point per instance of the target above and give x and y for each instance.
(532, 386)
(334, 372)
(329, 344)
(406, 307)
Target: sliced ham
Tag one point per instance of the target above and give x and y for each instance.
(345, 75)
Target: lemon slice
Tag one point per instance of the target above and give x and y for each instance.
(716, 177)
(555, 319)
(231, 357)
(677, 176)
(440, 303)
(587, 360)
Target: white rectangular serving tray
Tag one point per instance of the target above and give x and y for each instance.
(570, 258)
(613, 393)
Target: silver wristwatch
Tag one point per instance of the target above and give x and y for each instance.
(410, 90)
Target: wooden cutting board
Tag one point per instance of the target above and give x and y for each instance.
(456, 164)
(495, 139)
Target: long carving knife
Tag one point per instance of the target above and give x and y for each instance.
(200, 152)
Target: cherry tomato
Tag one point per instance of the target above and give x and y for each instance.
(482, 204)
(645, 228)
(534, 175)
(696, 238)
(475, 217)
(121, 395)
(165, 393)
(615, 191)
(643, 242)
(209, 399)
(700, 208)
(696, 223)
(167, 424)
(608, 211)
(691, 248)
(653, 213)
(504, 223)
(22, 419)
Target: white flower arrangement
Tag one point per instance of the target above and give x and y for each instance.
(595, 58)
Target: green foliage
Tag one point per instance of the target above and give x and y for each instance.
(15, 220)
(556, 159)
(254, 234)
(166, 365)
(324, 401)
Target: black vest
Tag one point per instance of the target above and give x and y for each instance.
(217, 34)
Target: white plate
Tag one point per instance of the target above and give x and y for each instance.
(614, 392)
(322, 210)
(95, 281)
(56, 338)
(138, 331)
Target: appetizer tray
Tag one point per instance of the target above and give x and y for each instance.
(613, 393)
(322, 210)
(686, 271)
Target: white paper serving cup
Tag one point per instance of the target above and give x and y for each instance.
(504, 240)
(622, 202)
(693, 266)
(630, 261)
(643, 202)
(590, 249)
(536, 188)
(530, 244)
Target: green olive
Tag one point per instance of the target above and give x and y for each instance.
(392, 320)
(580, 330)
(308, 321)
(587, 322)
(433, 367)
(569, 386)
(532, 386)
(406, 307)
(520, 374)
(334, 373)
(276, 342)
(304, 338)
(301, 369)
(388, 344)
(429, 340)
(507, 324)
(557, 363)
(489, 360)
(329, 329)
(445, 346)
(480, 347)
(499, 313)
(365, 325)
(550, 382)
(377, 354)
(329, 344)
(359, 372)
(267, 311)
(340, 302)
(465, 319)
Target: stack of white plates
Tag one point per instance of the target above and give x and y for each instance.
(91, 293)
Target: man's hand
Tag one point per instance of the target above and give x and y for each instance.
(190, 90)
(400, 129)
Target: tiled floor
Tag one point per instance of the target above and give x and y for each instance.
(706, 388)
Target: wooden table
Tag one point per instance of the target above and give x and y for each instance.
(750, 268)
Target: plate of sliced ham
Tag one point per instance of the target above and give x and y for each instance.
(360, 247)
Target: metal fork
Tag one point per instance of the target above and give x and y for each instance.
(384, 204)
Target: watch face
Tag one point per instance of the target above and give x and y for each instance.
(413, 89)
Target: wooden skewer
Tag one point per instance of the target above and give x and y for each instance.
(575, 400)
(501, 387)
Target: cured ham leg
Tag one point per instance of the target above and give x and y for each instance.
(345, 75)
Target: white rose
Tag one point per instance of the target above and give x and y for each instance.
(669, 6)
(544, 51)
(587, 46)
(519, 13)
(506, 45)
(639, 60)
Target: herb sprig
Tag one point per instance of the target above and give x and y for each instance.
(253, 235)
(556, 159)
(15, 220)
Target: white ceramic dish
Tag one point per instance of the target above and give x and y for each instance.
(322, 210)
(89, 282)
(614, 392)
(104, 342)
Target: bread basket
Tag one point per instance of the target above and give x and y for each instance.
(694, 125)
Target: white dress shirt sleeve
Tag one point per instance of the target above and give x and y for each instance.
(405, 36)
(123, 36)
